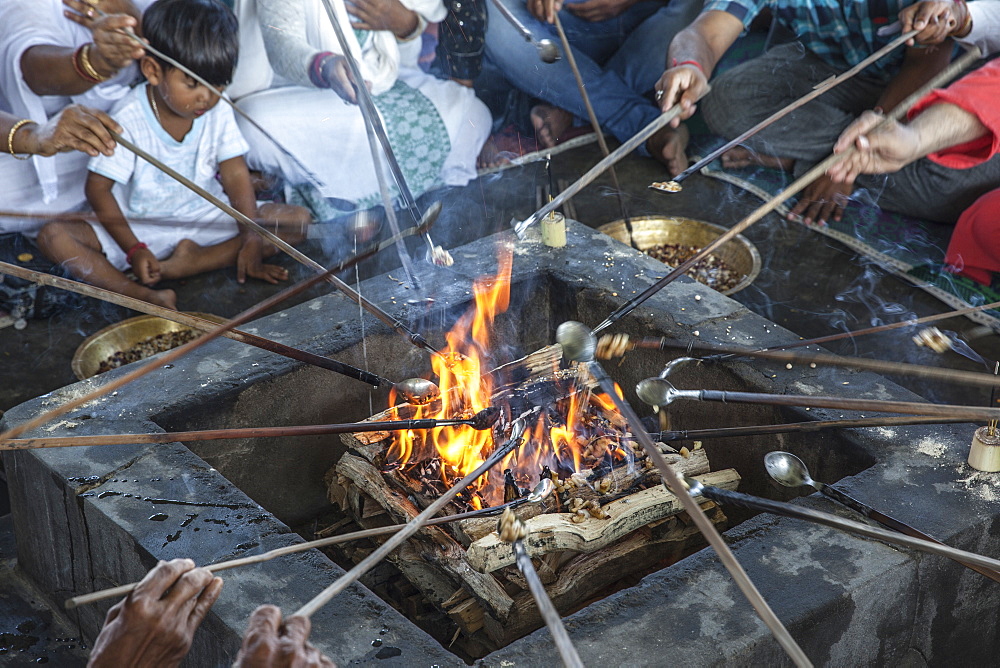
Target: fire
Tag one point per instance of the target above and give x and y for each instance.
(556, 440)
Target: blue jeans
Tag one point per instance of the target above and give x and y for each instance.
(620, 59)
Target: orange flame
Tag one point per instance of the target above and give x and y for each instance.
(467, 388)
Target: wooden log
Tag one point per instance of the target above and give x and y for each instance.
(586, 576)
(441, 549)
(556, 532)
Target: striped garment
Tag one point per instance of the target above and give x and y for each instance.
(841, 32)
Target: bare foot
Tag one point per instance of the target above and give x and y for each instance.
(492, 156)
(165, 298)
(669, 146)
(738, 157)
(550, 123)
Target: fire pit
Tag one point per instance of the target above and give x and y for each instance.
(95, 517)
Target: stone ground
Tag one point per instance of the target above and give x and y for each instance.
(809, 284)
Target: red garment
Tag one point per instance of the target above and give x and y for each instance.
(977, 93)
(974, 250)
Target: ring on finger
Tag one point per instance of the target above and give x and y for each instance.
(659, 95)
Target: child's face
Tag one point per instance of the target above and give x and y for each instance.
(182, 95)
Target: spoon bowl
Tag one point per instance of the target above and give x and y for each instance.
(787, 469)
(548, 51)
(654, 391)
(577, 340)
(418, 391)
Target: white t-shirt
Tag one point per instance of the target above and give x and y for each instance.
(144, 191)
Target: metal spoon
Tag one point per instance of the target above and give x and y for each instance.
(418, 391)
(547, 50)
(577, 340)
(788, 470)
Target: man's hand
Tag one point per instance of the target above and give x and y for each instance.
(599, 10)
(250, 262)
(545, 10)
(935, 19)
(271, 643)
(682, 85)
(75, 128)
(155, 624)
(888, 149)
(821, 201)
(388, 15)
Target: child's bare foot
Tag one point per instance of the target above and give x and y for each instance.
(165, 298)
(669, 146)
(739, 157)
(271, 273)
(550, 123)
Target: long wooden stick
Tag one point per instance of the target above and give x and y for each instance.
(165, 358)
(121, 590)
(194, 322)
(396, 324)
(972, 54)
(796, 427)
(568, 653)
(658, 123)
(784, 111)
(411, 528)
(219, 434)
(881, 366)
(595, 124)
(705, 525)
(968, 413)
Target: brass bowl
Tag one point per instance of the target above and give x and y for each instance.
(648, 231)
(123, 335)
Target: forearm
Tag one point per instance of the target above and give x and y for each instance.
(49, 70)
(705, 41)
(919, 67)
(236, 183)
(282, 24)
(945, 125)
(109, 214)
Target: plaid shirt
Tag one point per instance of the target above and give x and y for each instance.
(841, 32)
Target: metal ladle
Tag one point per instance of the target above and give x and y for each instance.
(418, 391)
(788, 470)
(547, 50)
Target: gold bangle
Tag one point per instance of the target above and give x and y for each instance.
(88, 67)
(10, 137)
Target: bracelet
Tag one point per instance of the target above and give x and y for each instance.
(10, 137)
(689, 62)
(132, 250)
(80, 72)
(316, 69)
(967, 26)
(88, 67)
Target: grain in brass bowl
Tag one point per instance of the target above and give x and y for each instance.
(648, 231)
(122, 336)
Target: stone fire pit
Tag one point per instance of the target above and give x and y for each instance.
(89, 518)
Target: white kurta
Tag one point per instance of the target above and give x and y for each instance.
(436, 127)
(50, 185)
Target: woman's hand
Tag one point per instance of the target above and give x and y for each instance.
(388, 15)
(75, 128)
(337, 75)
(113, 49)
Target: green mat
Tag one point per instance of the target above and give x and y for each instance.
(910, 248)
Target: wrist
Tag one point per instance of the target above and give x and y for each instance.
(966, 26)
(17, 143)
(317, 69)
(101, 65)
(689, 63)
(130, 253)
(410, 28)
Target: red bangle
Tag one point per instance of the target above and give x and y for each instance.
(689, 62)
(132, 250)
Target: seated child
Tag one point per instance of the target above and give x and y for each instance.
(179, 121)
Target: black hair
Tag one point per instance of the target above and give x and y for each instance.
(202, 35)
